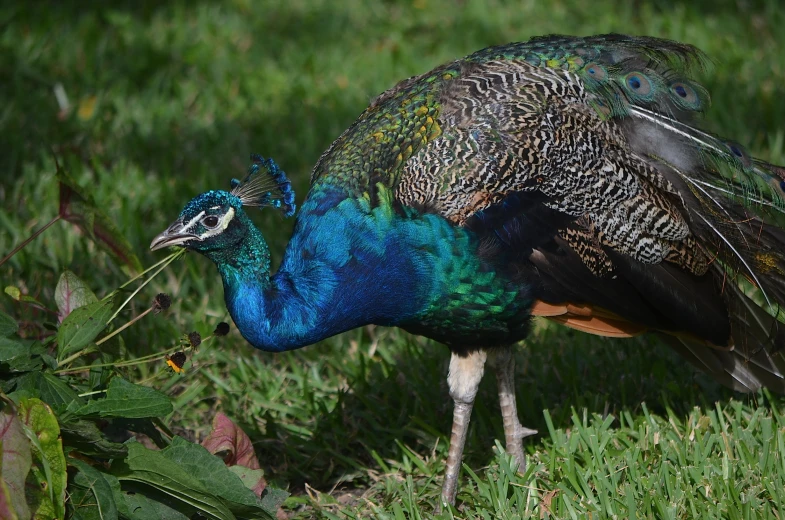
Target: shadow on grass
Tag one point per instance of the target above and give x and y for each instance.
(406, 402)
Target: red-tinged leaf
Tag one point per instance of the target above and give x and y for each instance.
(71, 293)
(81, 210)
(16, 462)
(230, 442)
(6, 509)
(110, 236)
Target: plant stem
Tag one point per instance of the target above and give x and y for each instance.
(171, 258)
(166, 261)
(125, 326)
(131, 280)
(76, 355)
(137, 361)
(29, 239)
(94, 392)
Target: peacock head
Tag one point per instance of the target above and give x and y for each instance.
(215, 221)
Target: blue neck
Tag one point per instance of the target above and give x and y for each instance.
(245, 263)
(350, 263)
(329, 282)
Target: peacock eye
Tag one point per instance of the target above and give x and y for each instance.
(210, 221)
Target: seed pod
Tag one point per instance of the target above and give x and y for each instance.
(222, 329)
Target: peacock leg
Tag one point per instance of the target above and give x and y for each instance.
(466, 371)
(514, 432)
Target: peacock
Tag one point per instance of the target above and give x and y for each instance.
(561, 177)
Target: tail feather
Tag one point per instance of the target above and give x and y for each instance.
(752, 360)
(735, 203)
(732, 368)
(736, 209)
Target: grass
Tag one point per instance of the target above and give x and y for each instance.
(148, 104)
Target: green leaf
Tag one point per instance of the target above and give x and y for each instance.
(10, 349)
(100, 374)
(117, 493)
(85, 437)
(21, 355)
(82, 326)
(90, 483)
(145, 426)
(124, 399)
(90, 478)
(272, 498)
(47, 481)
(13, 292)
(49, 361)
(16, 463)
(145, 502)
(81, 504)
(25, 364)
(154, 469)
(49, 388)
(71, 293)
(56, 393)
(253, 479)
(16, 294)
(213, 473)
(8, 325)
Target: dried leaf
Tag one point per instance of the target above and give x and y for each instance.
(232, 444)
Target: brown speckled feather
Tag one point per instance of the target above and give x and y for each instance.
(576, 162)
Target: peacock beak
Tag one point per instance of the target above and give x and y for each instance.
(175, 235)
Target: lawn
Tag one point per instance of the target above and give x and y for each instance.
(146, 104)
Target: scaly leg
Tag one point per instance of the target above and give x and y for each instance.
(514, 432)
(466, 372)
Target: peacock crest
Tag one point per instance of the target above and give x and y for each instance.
(266, 185)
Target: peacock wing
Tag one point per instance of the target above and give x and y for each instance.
(598, 132)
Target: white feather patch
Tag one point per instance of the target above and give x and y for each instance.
(221, 227)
